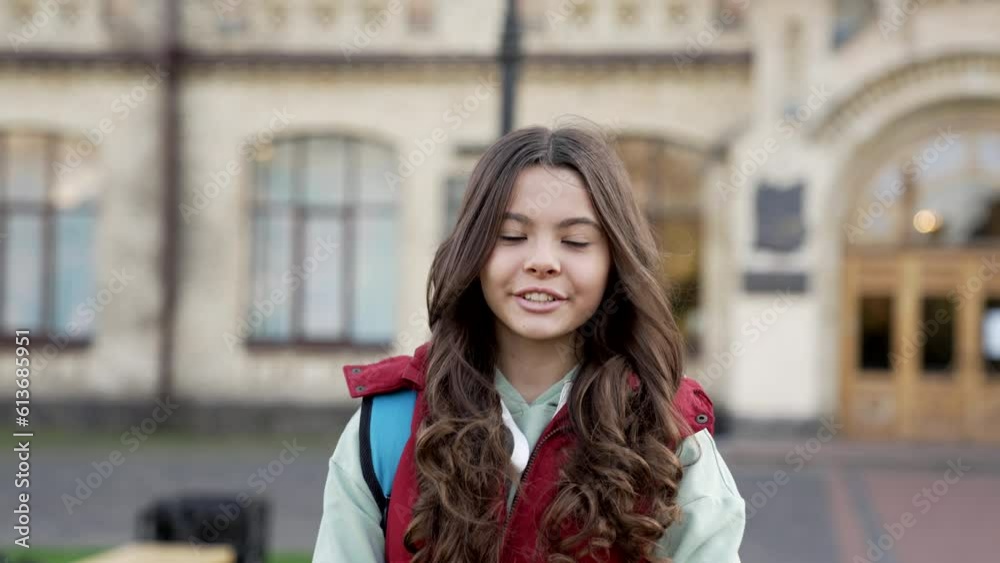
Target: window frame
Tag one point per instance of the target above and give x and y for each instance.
(347, 212)
(48, 331)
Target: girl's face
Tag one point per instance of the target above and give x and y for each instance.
(547, 272)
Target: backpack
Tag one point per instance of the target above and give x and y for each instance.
(385, 429)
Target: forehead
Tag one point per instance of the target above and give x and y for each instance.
(544, 193)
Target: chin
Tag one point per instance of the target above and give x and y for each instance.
(541, 337)
(540, 333)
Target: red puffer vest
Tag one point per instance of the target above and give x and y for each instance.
(539, 480)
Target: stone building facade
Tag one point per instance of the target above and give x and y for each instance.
(170, 220)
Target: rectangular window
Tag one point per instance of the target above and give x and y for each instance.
(25, 269)
(323, 267)
(991, 338)
(324, 243)
(48, 218)
(875, 333)
(74, 234)
(274, 280)
(937, 327)
(375, 274)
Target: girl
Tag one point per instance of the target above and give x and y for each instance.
(552, 422)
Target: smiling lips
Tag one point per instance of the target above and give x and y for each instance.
(539, 300)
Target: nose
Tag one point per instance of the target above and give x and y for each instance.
(543, 261)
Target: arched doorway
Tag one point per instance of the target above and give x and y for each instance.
(921, 289)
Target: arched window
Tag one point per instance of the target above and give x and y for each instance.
(48, 188)
(666, 178)
(942, 189)
(324, 242)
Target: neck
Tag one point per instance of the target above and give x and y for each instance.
(533, 366)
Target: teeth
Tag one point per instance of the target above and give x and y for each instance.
(540, 297)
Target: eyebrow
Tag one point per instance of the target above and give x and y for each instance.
(520, 218)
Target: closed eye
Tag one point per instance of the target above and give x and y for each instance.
(573, 243)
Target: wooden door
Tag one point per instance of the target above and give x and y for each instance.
(870, 383)
(921, 345)
(983, 348)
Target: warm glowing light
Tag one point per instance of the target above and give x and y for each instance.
(926, 221)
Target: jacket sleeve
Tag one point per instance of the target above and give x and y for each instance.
(349, 529)
(711, 528)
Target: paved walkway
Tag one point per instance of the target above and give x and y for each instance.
(808, 502)
(856, 503)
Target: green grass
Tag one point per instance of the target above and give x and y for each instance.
(42, 555)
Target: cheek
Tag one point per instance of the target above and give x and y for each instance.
(591, 280)
(493, 275)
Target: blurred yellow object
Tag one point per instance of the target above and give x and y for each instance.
(164, 552)
(926, 221)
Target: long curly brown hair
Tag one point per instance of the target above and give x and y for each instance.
(619, 485)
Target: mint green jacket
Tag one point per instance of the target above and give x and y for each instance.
(709, 532)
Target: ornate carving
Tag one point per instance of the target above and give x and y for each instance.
(22, 9)
(628, 12)
(372, 8)
(277, 14)
(325, 12)
(582, 12)
(678, 12)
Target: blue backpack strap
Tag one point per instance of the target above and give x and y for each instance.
(385, 429)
